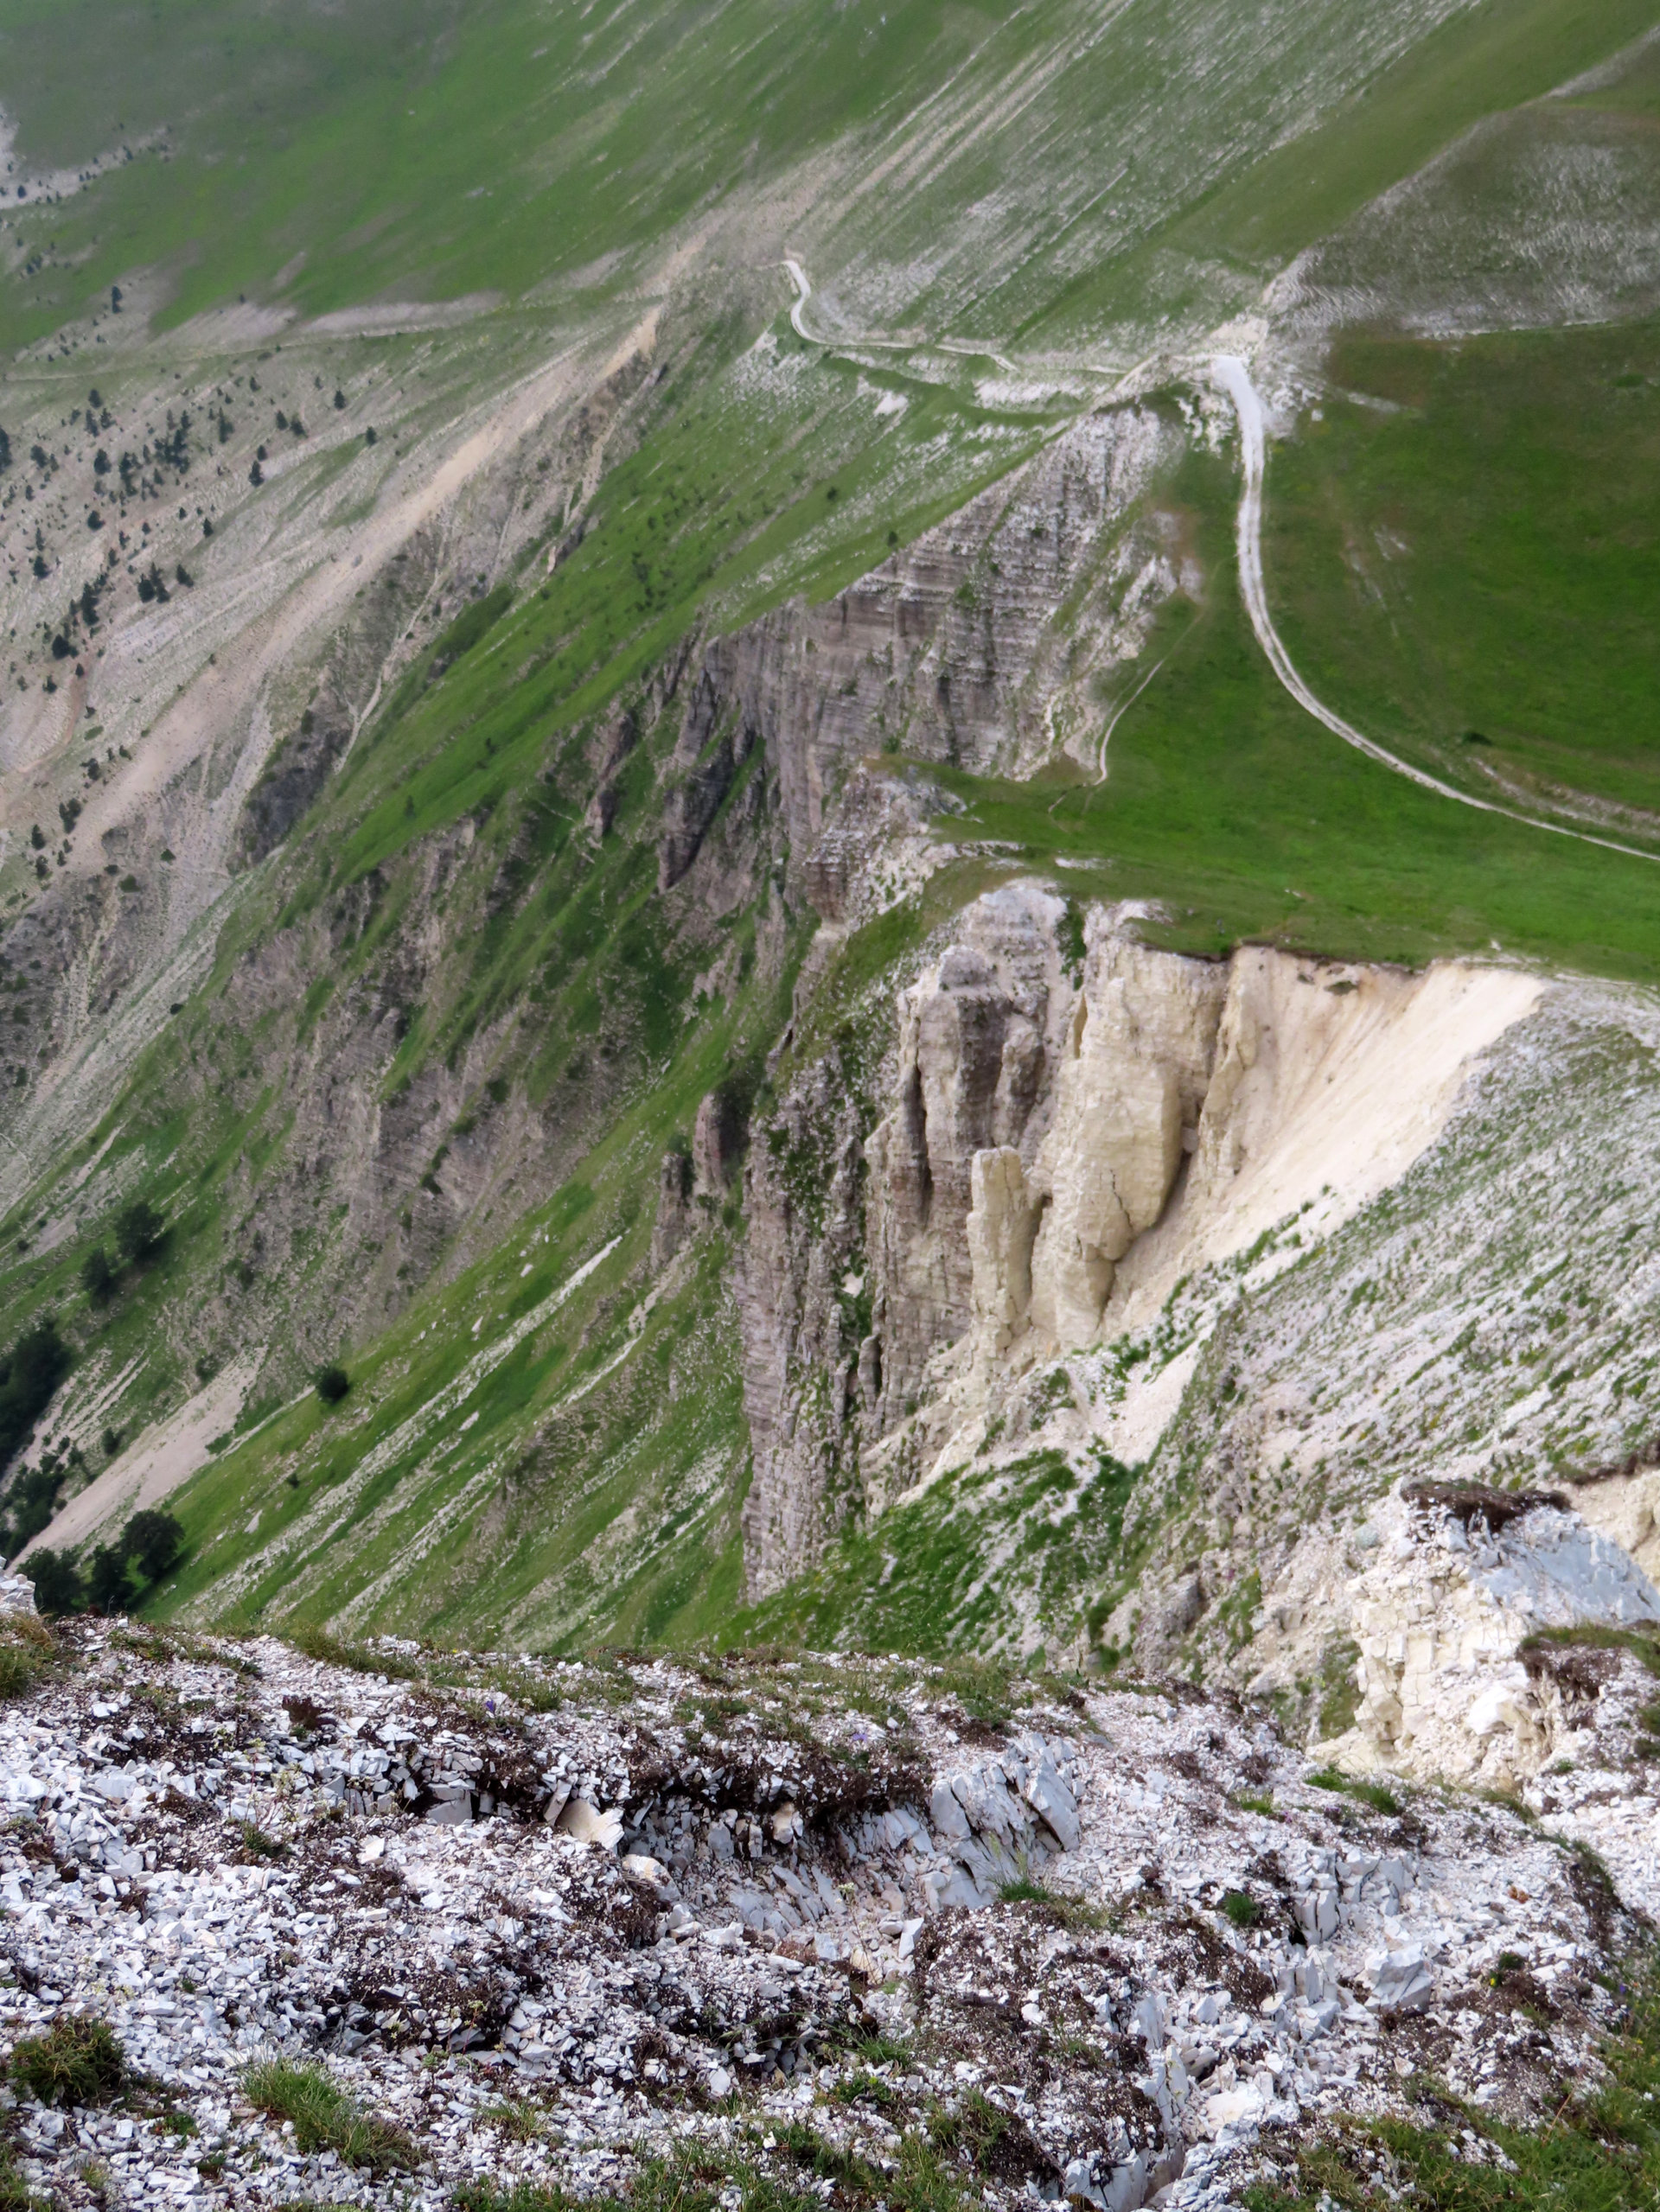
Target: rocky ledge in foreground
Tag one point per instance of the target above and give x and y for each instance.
(384, 1926)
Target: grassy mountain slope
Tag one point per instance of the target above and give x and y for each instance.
(1050, 172)
(413, 1104)
(1478, 556)
(1223, 799)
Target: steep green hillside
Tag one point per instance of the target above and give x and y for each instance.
(451, 1007)
(1037, 173)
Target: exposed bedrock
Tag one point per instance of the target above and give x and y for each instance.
(1051, 1148)
(972, 646)
(1454, 1616)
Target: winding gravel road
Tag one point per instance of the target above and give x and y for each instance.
(799, 277)
(1232, 376)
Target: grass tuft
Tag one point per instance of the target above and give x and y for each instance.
(262, 1846)
(1366, 1793)
(1071, 1911)
(326, 2117)
(77, 2061)
(321, 1643)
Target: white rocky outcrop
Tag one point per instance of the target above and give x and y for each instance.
(1460, 1578)
(16, 1595)
(1175, 1109)
(1291, 1084)
(240, 1853)
(1129, 1095)
(1064, 1143)
(1623, 1503)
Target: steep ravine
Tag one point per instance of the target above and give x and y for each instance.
(390, 1072)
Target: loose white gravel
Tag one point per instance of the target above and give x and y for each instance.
(681, 1902)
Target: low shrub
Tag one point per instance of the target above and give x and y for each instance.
(333, 1383)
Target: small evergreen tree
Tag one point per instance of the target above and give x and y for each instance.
(57, 1582)
(109, 1580)
(333, 1383)
(154, 1541)
(29, 1374)
(139, 1231)
(98, 1278)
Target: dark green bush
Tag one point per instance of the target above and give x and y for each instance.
(29, 1374)
(57, 1581)
(154, 1541)
(34, 1500)
(109, 1579)
(138, 1232)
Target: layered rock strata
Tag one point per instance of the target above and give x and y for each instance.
(1056, 1141)
(975, 645)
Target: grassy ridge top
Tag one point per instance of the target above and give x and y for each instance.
(1474, 556)
(1031, 170)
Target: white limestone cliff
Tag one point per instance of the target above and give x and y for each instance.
(1455, 1681)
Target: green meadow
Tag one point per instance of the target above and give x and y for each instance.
(1465, 558)
(1246, 819)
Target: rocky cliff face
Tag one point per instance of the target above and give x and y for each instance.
(975, 646)
(1067, 1125)
(1027, 1127)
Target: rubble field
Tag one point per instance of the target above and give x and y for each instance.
(387, 1926)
